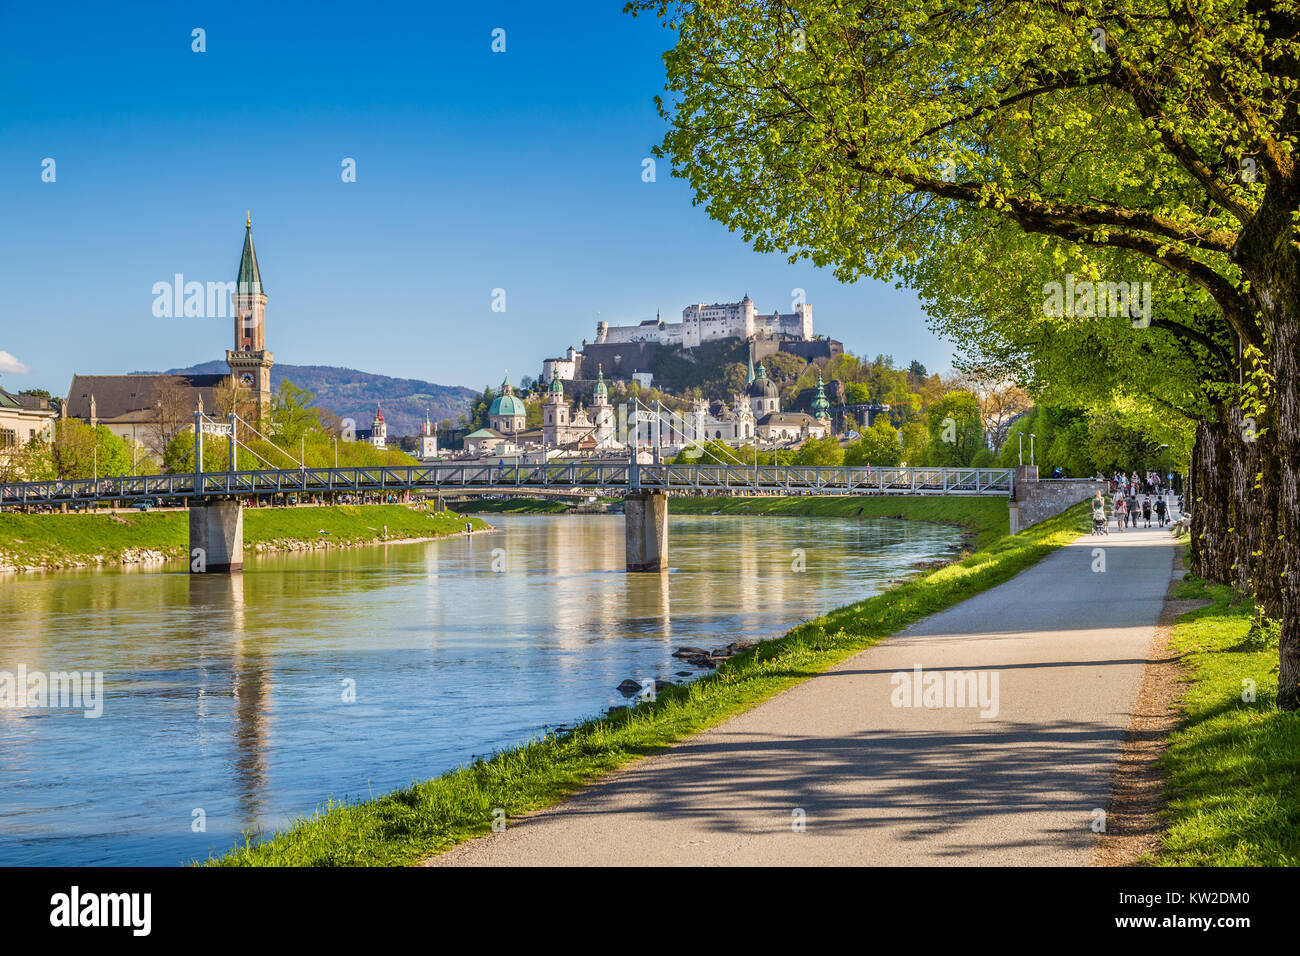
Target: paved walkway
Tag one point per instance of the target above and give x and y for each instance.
(883, 784)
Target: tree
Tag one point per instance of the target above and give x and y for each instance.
(80, 451)
(956, 432)
(173, 411)
(291, 414)
(825, 452)
(878, 445)
(32, 460)
(1147, 143)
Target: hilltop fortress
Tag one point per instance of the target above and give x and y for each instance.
(712, 323)
(629, 351)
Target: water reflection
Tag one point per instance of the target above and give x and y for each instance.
(229, 694)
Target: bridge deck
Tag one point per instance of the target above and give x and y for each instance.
(610, 477)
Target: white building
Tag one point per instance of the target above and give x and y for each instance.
(564, 368)
(710, 323)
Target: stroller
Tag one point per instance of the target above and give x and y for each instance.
(1099, 520)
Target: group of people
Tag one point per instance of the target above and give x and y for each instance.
(1129, 507)
(1152, 483)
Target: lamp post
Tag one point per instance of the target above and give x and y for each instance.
(1020, 437)
(1031, 448)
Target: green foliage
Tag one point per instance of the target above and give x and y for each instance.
(80, 451)
(956, 431)
(878, 446)
(291, 413)
(825, 452)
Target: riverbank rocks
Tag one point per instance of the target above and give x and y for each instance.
(702, 658)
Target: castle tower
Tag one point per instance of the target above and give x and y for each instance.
(250, 363)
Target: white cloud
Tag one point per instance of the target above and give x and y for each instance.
(11, 365)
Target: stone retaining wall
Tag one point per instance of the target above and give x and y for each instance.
(1035, 501)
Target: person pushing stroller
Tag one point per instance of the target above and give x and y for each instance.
(1099, 515)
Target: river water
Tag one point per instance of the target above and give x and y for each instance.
(227, 701)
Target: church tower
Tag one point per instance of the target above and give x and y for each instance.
(602, 413)
(555, 417)
(250, 363)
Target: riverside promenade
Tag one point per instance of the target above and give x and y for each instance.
(834, 771)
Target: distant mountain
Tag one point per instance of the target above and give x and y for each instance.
(353, 394)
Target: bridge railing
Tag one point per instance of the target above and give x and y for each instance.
(597, 475)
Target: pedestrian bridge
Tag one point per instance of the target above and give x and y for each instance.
(216, 497)
(610, 477)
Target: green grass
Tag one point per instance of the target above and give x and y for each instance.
(59, 540)
(1233, 767)
(412, 824)
(986, 518)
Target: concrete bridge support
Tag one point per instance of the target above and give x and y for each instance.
(216, 536)
(645, 514)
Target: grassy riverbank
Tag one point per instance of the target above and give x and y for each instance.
(410, 825)
(1232, 768)
(74, 540)
(985, 518)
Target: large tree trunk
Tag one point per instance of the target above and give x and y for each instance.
(1213, 550)
(1267, 252)
(1286, 368)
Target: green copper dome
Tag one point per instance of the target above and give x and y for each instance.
(601, 388)
(506, 404)
(557, 387)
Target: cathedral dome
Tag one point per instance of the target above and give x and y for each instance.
(762, 386)
(506, 404)
(601, 388)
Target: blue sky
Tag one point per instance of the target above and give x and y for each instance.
(475, 170)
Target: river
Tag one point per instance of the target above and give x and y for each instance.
(237, 702)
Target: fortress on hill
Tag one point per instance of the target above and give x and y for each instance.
(630, 351)
(713, 323)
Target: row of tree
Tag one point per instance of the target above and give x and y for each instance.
(1097, 201)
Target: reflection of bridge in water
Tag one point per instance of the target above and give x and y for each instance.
(216, 497)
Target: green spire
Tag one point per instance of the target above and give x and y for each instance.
(250, 280)
(601, 388)
(557, 387)
(820, 406)
(506, 387)
(749, 375)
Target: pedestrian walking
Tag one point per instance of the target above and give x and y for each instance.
(1146, 510)
(1162, 511)
(1121, 512)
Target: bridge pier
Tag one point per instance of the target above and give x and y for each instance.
(645, 515)
(216, 536)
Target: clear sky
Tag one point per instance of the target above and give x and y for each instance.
(475, 171)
